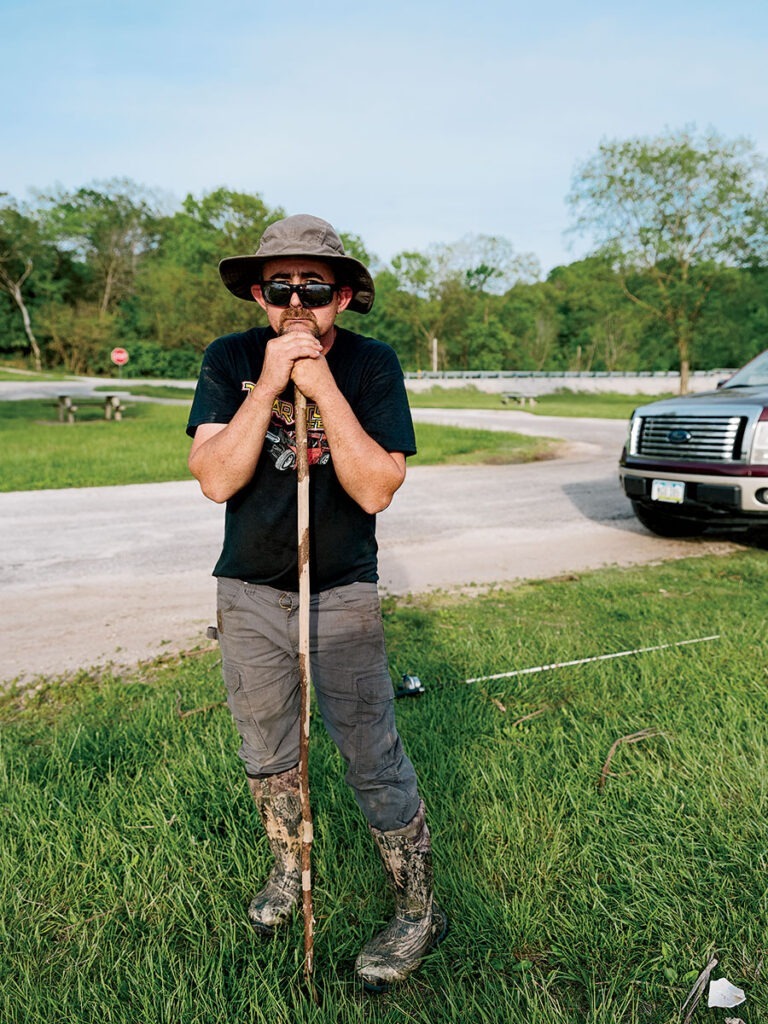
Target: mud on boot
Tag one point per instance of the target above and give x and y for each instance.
(279, 805)
(419, 923)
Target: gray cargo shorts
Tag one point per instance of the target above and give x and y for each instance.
(259, 638)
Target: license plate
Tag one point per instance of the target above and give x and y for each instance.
(668, 490)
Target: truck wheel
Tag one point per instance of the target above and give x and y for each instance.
(665, 525)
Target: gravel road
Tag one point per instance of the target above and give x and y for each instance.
(115, 575)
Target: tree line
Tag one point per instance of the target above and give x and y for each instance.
(676, 277)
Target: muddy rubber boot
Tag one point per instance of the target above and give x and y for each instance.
(279, 804)
(419, 923)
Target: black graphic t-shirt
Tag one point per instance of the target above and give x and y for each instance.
(260, 526)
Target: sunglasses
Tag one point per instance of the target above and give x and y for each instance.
(311, 295)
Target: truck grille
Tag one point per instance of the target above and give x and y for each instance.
(691, 438)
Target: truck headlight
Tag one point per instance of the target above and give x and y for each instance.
(633, 432)
(760, 440)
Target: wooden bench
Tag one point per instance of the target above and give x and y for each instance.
(517, 398)
(113, 408)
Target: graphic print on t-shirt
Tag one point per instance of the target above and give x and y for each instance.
(280, 440)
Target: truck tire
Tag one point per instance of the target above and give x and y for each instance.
(665, 525)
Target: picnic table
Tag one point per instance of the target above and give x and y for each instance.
(518, 398)
(113, 408)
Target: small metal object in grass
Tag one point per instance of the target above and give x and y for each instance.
(411, 686)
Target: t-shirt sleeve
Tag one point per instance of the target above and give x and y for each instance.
(219, 393)
(382, 407)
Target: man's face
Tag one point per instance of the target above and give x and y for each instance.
(318, 320)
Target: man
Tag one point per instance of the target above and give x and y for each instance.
(360, 432)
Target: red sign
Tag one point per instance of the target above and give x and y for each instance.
(119, 356)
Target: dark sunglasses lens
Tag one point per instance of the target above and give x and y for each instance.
(276, 293)
(315, 294)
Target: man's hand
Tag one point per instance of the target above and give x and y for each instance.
(281, 356)
(313, 377)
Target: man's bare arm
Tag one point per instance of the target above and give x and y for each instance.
(224, 456)
(368, 473)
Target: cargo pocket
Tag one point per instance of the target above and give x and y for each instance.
(266, 712)
(377, 742)
(239, 703)
(375, 689)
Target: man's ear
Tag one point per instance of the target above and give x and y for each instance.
(345, 294)
(258, 296)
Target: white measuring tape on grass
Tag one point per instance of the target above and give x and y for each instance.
(584, 661)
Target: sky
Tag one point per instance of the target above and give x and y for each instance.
(406, 123)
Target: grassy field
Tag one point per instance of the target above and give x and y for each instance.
(606, 405)
(38, 452)
(11, 374)
(150, 390)
(149, 446)
(128, 848)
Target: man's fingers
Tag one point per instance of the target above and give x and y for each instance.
(311, 375)
(295, 345)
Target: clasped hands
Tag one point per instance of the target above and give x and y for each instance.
(296, 355)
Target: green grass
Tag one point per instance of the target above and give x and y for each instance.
(606, 405)
(150, 390)
(468, 397)
(149, 445)
(439, 445)
(37, 452)
(26, 376)
(609, 405)
(129, 849)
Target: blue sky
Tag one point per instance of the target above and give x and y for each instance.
(407, 123)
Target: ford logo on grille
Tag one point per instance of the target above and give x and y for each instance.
(679, 436)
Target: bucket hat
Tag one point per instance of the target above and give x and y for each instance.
(300, 235)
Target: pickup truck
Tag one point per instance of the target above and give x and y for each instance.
(701, 461)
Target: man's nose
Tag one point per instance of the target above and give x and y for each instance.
(295, 300)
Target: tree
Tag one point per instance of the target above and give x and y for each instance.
(416, 302)
(20, 245)
(446, 293)
(673, 210)
(80, 336)
(108, 227)
(217, 224)
(179, 299)
(599, 329)
(485, 263)
(394, 319)
(734, 325)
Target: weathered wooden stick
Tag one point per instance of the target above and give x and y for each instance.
(302, 472)
(698, 990)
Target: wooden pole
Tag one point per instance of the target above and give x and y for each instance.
(302, 471)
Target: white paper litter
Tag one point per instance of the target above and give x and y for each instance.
(723, 993)
(733, 1020)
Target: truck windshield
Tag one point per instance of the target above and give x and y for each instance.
(754, 374)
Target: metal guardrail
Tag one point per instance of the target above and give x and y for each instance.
(589, 374)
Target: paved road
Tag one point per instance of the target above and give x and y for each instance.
(120, 574)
